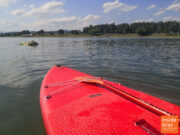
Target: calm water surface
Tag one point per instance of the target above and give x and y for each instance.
(148, 65)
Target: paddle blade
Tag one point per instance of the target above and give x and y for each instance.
(86, 79)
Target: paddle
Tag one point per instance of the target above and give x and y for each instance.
(128, 96)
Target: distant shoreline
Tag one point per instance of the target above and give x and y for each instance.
(159, 35)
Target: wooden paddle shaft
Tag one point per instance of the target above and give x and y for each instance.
(132, 98)
(137, 100)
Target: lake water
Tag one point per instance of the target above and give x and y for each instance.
(149, 65)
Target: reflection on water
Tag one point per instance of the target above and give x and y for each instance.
(149, 65)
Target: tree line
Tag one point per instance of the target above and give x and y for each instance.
(40, 32)
(140, 28)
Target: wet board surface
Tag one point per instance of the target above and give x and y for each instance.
(89, 109)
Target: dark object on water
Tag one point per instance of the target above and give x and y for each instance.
(31, 43)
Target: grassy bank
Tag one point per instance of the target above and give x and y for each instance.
(65, 35)
(163, 35)
(159, 35)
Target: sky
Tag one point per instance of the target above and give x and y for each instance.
(18, 15)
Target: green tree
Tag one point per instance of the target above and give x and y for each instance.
(94, 31)
(143, 28)
(75, 31)
(112, 28)
(86, 29)
(143, 31)
(41, 31)
(60, 31)
(25, 32)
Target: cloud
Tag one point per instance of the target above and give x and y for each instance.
(62, 20)
(49, 8)
(18, 12)
(174, 7)
(31, 6)
(176, 19)
(12, 25)
(67, 23)
(149, 20)
(159, 13)
(109, 6)
(6, 3)
(91, 17)
(165, 19)
(64, 23)
(169, 18)
(151, 7)
(111, 22)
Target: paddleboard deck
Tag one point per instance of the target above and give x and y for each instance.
(75, 108)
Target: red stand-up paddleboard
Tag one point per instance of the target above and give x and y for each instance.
(75, 103)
